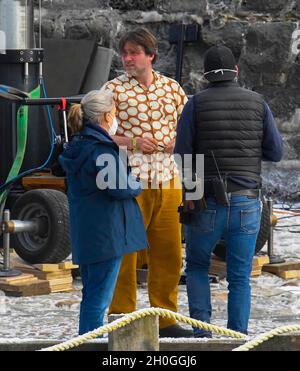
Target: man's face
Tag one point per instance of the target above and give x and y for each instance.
(134, 59)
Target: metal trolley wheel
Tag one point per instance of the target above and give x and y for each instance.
(51, 243)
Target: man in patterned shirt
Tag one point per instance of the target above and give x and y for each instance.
(148, 107)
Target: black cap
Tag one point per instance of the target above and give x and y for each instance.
(219, 57)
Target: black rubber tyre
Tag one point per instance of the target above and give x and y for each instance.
(51, 244)
(263, 234)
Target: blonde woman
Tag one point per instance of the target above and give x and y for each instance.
(105, 219)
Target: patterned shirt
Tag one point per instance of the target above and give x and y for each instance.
(151, 112)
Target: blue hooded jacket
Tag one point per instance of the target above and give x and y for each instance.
(107, 222)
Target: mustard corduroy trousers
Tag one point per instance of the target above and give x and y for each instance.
(161, 219)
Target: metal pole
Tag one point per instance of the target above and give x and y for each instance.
(274, 259)
(26, 72)
(6, 243)
(41, 72)
(40, 40)
(180, 53)
(19, 226)
(40, 24)
(65, 126)
(271, 235)
(7, 272)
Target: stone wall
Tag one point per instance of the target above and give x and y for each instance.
(263, 34)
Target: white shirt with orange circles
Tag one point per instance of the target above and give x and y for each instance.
(151, 112)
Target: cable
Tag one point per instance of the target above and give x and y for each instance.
(53, 136)
(287, 226)
(1, 215)
(287, 212)
(288, 217)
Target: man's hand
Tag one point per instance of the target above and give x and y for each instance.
(170, 147)
(147, 145)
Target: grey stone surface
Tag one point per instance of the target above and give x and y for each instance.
(263, 34)
(195, 6)
(132, 4)
(264, 63)
(268, 6)
(232, 34)
(296, 9)
(59, 5)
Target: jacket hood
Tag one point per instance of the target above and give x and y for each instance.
(81, 146)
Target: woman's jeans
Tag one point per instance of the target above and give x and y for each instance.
(98, 282)
(238, 224)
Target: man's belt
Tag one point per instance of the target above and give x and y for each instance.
(255, 193)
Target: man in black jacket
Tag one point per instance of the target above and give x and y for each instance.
(235, 130)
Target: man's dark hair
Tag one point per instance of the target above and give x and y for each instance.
(142, 37)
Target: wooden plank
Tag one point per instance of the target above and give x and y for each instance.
(54, 275)
(64, 289)
(260, 260)
(282, 267)
(25, 282)
(47, 267)
(60, 285)
(38, 288)
(48, 276)
(34, 272)
(256, 272)
(60, 281)
(44, 181)
(23, 266)
(218, 267)
(17, 286)
(21, 278)
(22, 286)
(67, 265)
(289, 274)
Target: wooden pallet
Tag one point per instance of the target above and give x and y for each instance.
(24, 285)
(45, 275)
(59, 279)
(38, 287)
(286, 270)
(38, 279)
(17, 279)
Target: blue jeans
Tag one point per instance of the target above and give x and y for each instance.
(238, 224)
(98, 282)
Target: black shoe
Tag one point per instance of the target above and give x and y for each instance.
(203, 334)
(175, 331)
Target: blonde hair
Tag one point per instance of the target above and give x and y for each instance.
(92, 108)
